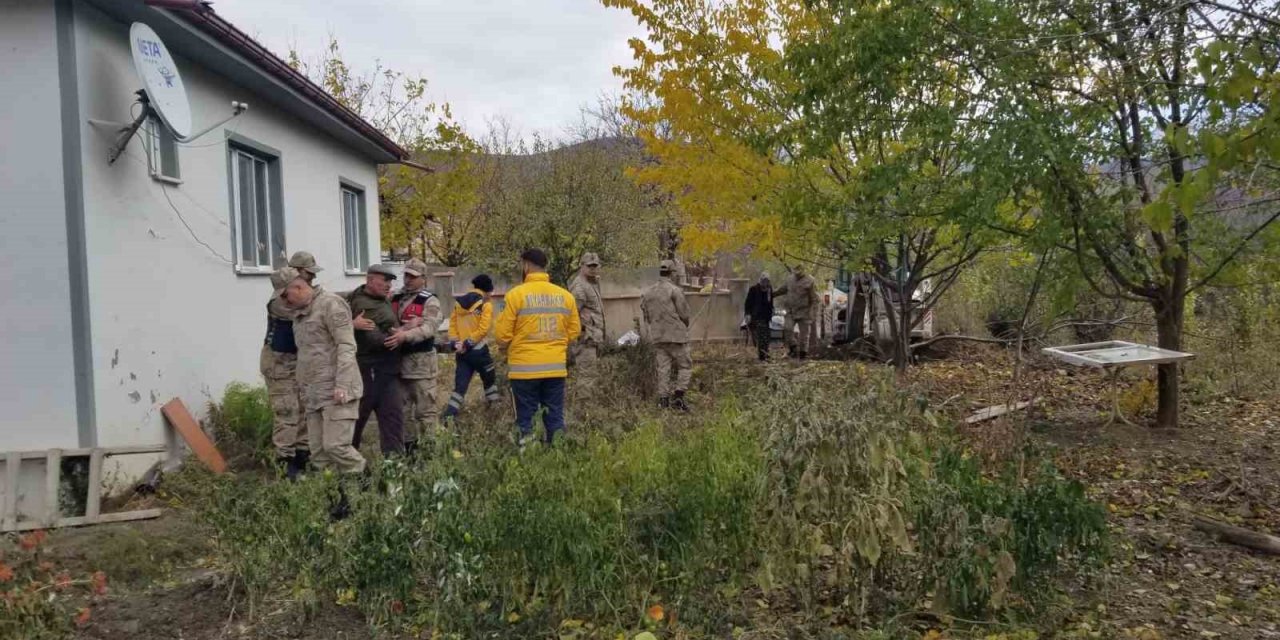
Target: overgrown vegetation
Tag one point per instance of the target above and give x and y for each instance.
(242, 423)
(834, 498)
(40, 600)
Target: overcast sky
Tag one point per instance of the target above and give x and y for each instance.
(533, 62)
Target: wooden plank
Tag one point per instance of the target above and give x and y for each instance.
(93, 503)
(996, 411)
(105, 518)
(12, 463)
(1255, 540)
(81, 521)
(182, 421)
(109, 451)
(52, 478)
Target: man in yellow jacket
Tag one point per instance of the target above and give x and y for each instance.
(469, 326)
(536, 326)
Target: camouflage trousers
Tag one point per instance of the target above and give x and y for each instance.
(584, 357)
(583, 353)
(288, 434)
(330, 430)
(805, 335)
(421, 407)
(669, 355)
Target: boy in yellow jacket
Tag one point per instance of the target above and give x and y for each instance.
(469, 337)
(536, 326)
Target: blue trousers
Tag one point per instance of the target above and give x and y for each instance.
(469, 363)
(545, 393)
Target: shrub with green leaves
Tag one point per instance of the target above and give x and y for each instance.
(985, 538)
(826, 488)
(242, 421)
(874, 507)
(593, 531)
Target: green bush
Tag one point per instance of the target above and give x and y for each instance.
(873, 507)
(832, 492)
(984, 538)
(242, 421)
(596, 532)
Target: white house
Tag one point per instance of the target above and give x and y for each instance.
(128, 284)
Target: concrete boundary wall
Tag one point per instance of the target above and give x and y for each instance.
(717, 314)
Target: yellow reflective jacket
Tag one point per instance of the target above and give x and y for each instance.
(536, 325)
(471, 318)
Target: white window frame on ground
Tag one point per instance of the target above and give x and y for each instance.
(162, 152)
(257, 222)
(355, 227)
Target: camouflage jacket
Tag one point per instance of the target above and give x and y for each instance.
(326, 351)
(416, 364)
(666, 313)
(590, 309)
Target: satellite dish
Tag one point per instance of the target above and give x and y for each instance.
(159, 75)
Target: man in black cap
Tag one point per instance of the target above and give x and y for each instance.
(375, 322)
(759, 312)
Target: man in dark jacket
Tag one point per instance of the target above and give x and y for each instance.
(375, 321)
(759, 312)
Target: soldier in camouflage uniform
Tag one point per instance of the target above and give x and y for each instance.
(306, 265)
(799, 296)
(586, 292)
(667, 320)
(419, 313)
(328, 376)
(279, 364)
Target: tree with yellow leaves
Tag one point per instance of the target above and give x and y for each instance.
(761, 146)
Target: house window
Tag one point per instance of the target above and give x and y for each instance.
(355, 232)
(257, 219)
(162, 151)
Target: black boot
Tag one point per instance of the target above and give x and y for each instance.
(297, 464)
(804, 354)
(664, 402)
(340, 509)
(791, 351)
(411, 449)
(678, 403)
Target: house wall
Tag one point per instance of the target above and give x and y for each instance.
(37, 383)
(170, 316)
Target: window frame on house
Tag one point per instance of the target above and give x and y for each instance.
(355, 257)
(266, 196)
(162, 152)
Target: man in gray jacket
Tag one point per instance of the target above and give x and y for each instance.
(666, 321)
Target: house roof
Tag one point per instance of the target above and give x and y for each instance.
(193, 29)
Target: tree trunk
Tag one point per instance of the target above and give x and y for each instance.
(856, 320)
(902, 334)
(1168, 336)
